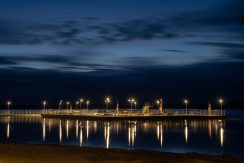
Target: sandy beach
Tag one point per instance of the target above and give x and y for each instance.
(55, 153)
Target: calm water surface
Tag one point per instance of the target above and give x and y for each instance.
(203, 136)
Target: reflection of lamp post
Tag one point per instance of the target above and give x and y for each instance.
(221, 105)
(59, 105)
(131, 100)
(107, 101)
(67, 104)
(186, 102)
(76, 104)
(8, 104)
(87, 104)
(81, 100)
(44, 104)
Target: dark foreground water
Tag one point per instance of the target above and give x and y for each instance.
(202, 136)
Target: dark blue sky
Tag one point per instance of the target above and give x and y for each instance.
(172, 48)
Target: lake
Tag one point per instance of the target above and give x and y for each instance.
(203, 136)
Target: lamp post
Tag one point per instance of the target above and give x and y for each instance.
(135, 103)
(87, 104)
(107, 101)
(44, 104)
(158, 102)
(59, 105)
(8, 104)
(81, 100)
(221, 105)
(186, 102)
(131, 100)
(67, 104)
(76, 105)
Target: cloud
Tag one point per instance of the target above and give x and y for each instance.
(97, 32)
(55, 63)
(221, 44)
(90, 32)
(231, 51)
(76, 32)
(5, 61)
(41, 58)
(73, 32)
(141, 29)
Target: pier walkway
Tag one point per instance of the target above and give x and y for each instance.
(102, 114)
(127, 114)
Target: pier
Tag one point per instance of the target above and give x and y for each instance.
(146, 113)
(122, 114)
(134, 114)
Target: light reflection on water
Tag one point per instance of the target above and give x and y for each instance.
(206, 136)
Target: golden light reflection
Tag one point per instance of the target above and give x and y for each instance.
(221, 136)
(8, 130)
(161, 136)
(81, 136)
(49, 125)
(131, 133)
(87, 130)
(135, 128)
(67, 129)
(107, 134)
(133, 136)
(117, 128)
(158, 130)
(60, 131)
(215, 129)
(77, 129)
(146, 126)
(95, 126)
(160, 133)
(44, 129)
(186, 132)
(210, 128)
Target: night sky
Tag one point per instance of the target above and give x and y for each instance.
(62, 49)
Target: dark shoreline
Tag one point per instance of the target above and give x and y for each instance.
(11, 152)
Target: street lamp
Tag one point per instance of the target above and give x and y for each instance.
(67, 104)
(158, 102)
(131, 100)
(59, 105)
(87, 104)
(76, 104)
(107, 101)
(81, 100)
(8, 104)
(135, 103)
(221, 104)
(186, 102)
(44, 104)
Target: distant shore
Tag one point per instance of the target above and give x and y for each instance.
(10, 152)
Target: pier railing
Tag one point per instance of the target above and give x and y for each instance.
(22, 112)
(110, 112)
(135, 112)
